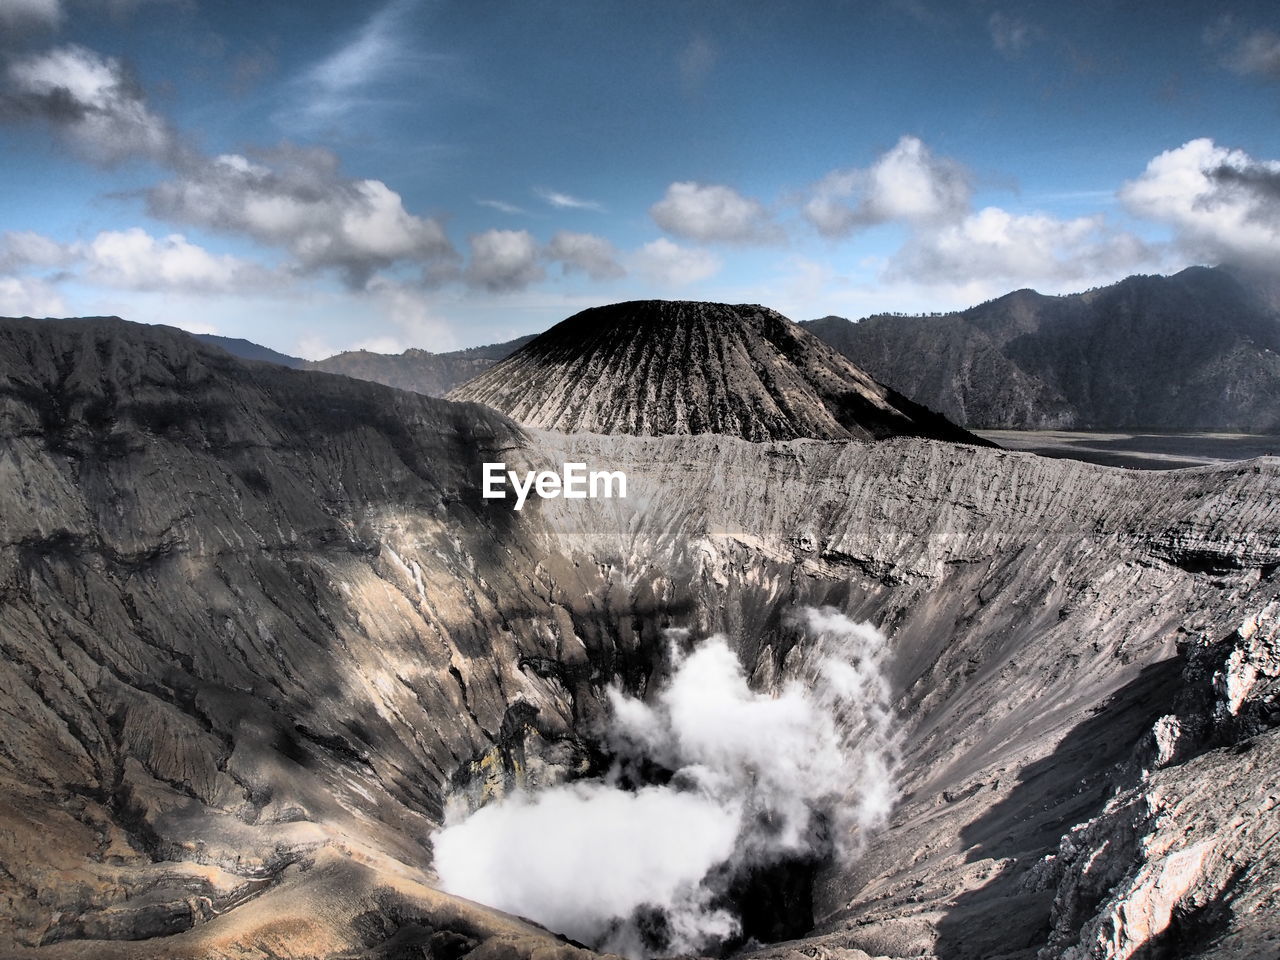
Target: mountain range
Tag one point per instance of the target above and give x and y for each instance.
(432, 374)
(1199, 350)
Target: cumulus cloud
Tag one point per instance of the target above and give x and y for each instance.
(752, 779)
(1223, 204)
(951, 244)
(134, 260)
(297, 199)
(670, 264)
(995, 245)
(30, 297)
(91, 101)
(907, 183)
(503, 261)
(23, 249)
(712, 213)
(585, 253)
(565, 201)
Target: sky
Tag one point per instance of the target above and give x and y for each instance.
(325, 176)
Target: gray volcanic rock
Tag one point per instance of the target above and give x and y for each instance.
(258, 625)
(1196, 351)
(657, 367)
(432, 374)
(1160, 869)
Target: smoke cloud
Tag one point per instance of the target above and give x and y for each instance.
(711, 781)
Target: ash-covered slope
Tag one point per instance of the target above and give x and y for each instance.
(1196, 351)
(657, 367)
(432, 374)
(258, 626)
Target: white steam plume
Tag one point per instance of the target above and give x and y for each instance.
(757, 778)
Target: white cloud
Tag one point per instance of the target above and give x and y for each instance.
(952, 246)
(709, 213)
(564, 201)
(134, 260)
(993, 245)
(503, 261)
(585, 252)
(92, 101)
(670, 264)
(22, 249)
(1258, 53)
(343, 82)
(292, 197)
(503, 207)
(1222, 203)
(19, 14)
(1247, 52)
(367, 54)
(907, 183)
(30, 297)
(296, 199)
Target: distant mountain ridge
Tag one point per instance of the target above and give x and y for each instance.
(419, 371)
(1199, 350)
(248, 350)
(658, 367)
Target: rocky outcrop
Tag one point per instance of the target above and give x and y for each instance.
(656, 367)
(1178, 863)
(259, 628)
(1196, 351)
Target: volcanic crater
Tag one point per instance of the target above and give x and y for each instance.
(260, 628)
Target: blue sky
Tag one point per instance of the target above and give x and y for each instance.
(324, 176)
